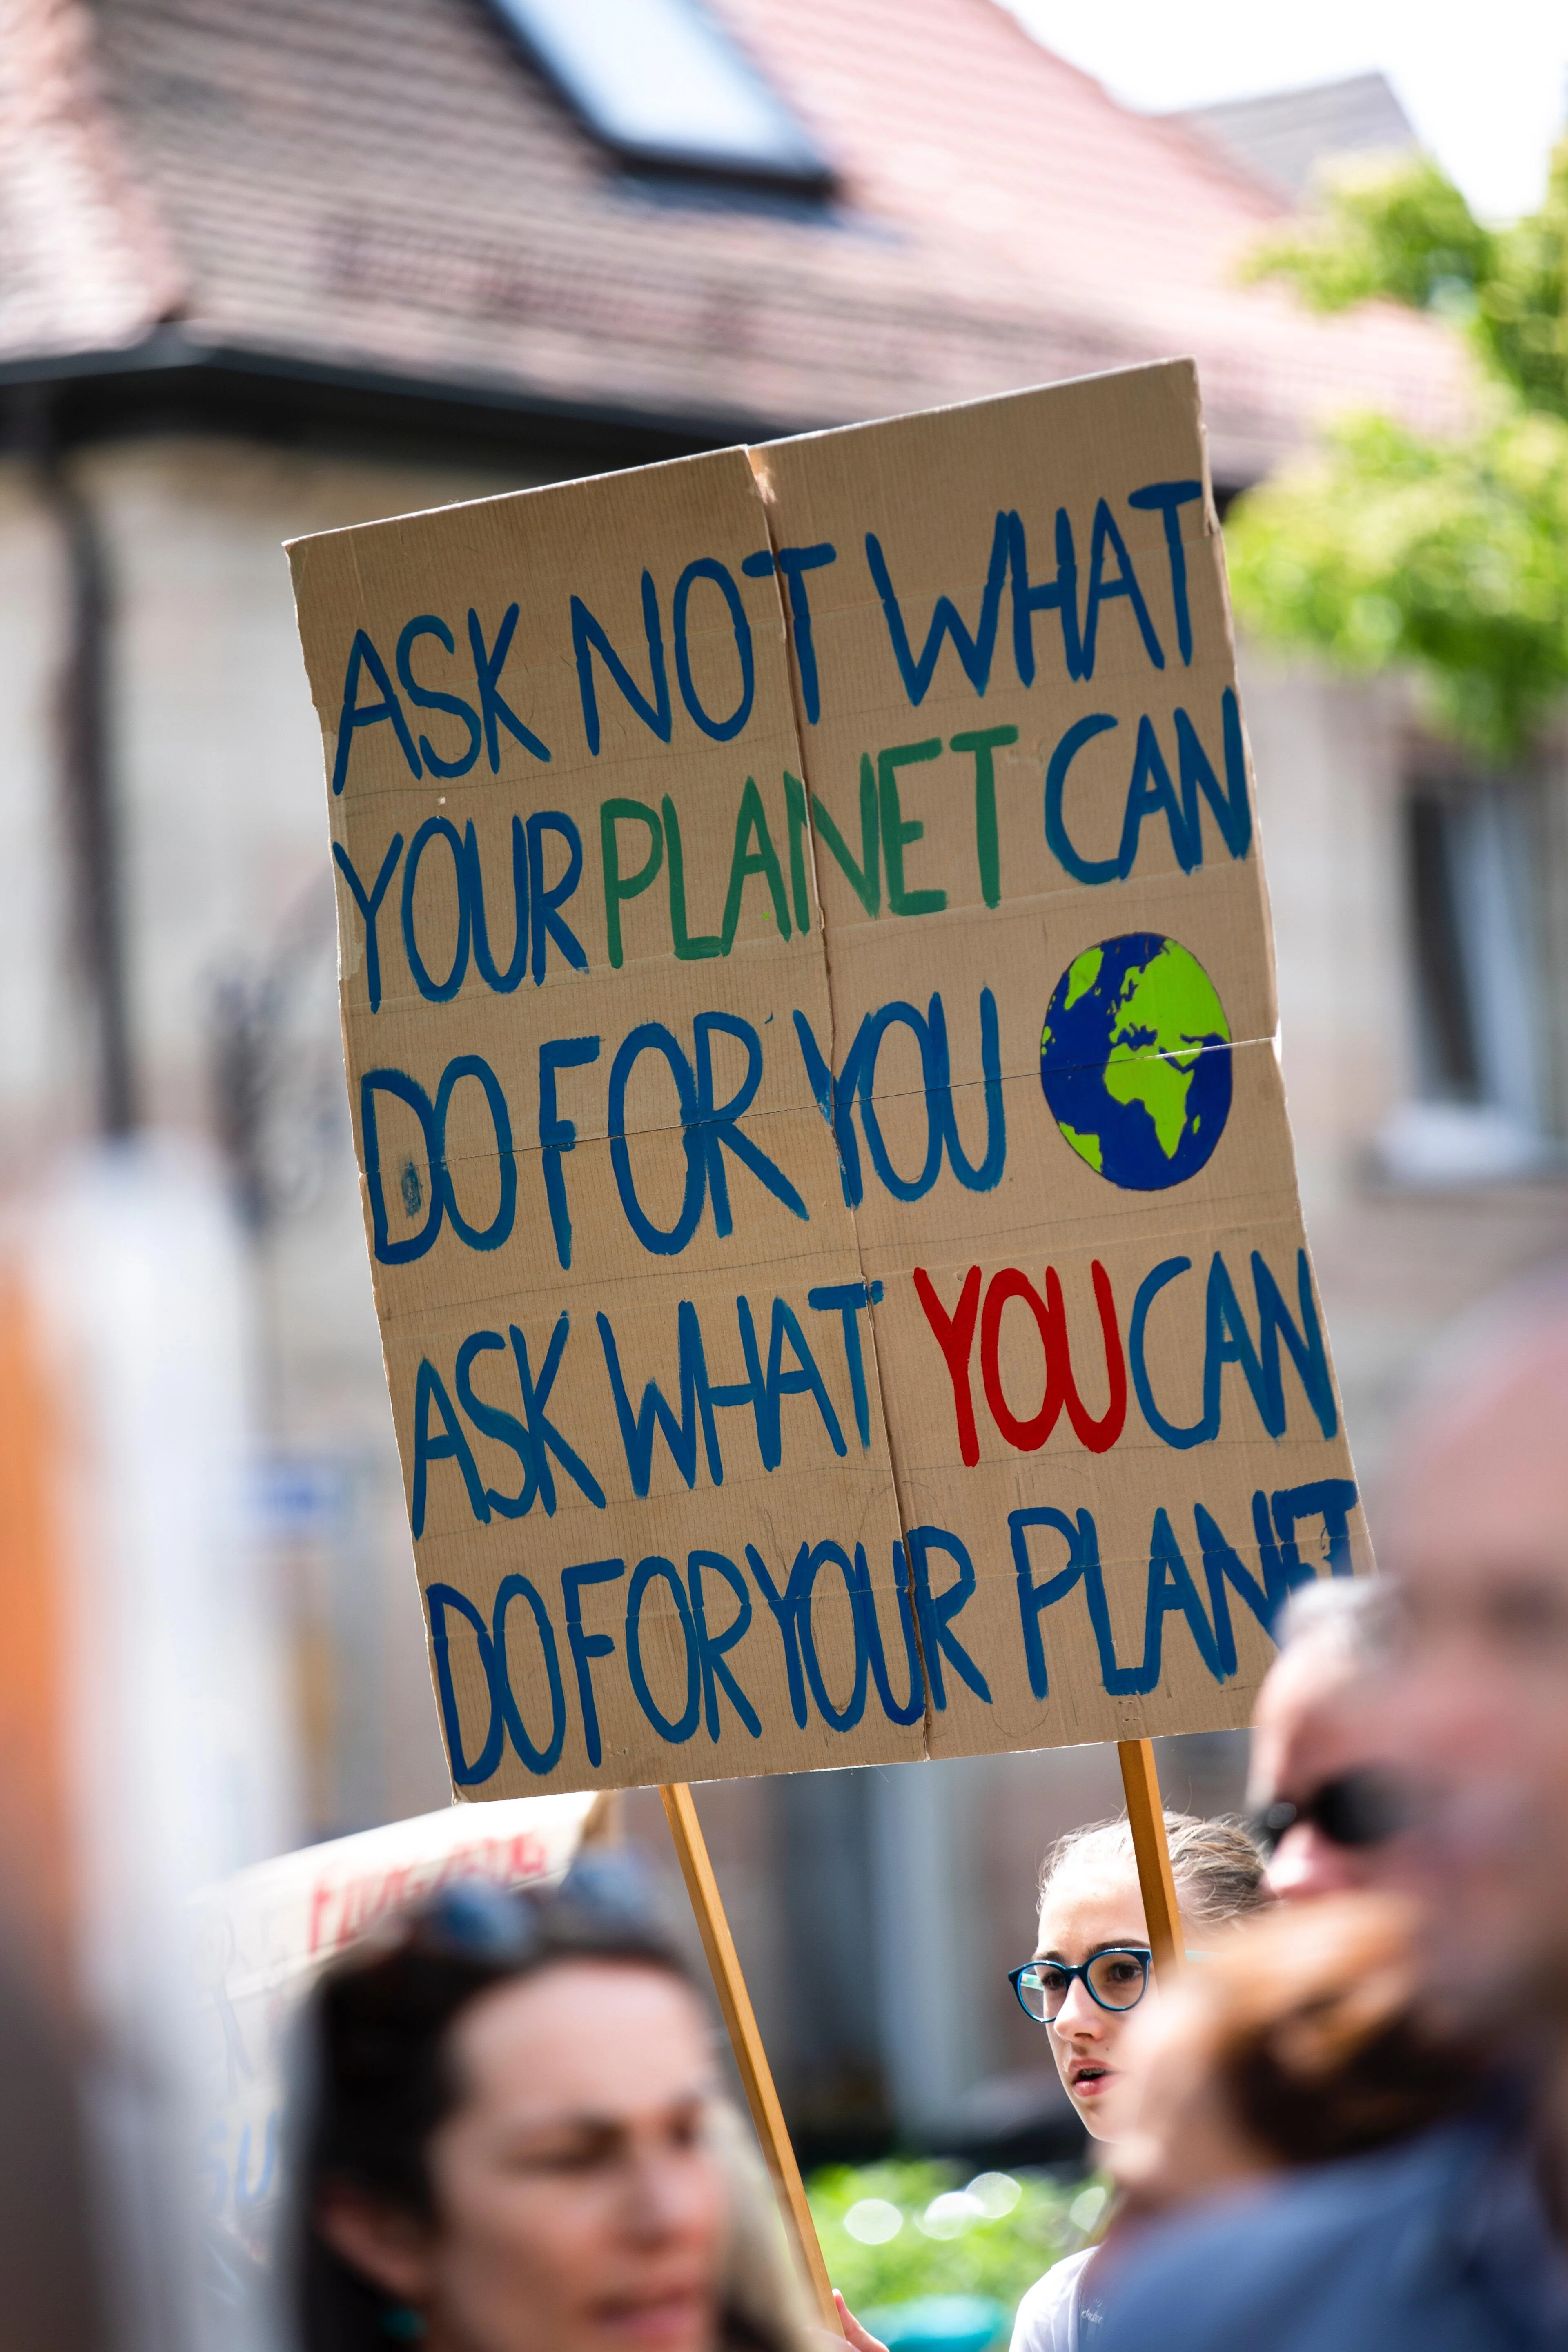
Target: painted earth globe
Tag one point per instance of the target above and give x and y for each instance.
(1135, 1061)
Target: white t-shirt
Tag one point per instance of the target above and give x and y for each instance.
(1047, 2316)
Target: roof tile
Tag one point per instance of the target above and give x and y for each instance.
(84, 259)
(390, 184)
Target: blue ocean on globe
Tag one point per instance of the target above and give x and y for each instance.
(1135, 1061)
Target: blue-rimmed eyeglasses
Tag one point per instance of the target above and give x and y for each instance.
(1117, 1978)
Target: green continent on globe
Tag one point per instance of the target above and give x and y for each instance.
(1083, 974)
(1088, 1146)
(1167, 1012)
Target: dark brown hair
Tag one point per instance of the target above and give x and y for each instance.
(374, 2071)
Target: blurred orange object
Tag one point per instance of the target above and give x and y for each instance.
(35, 1841)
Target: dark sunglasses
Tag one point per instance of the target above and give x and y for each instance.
(608, 1891)
(1356, 1810)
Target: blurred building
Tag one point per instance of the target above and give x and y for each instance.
(1287, 138)
(266, 270)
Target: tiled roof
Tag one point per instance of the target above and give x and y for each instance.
(1285, 136)
(83, 258)
(389, 185)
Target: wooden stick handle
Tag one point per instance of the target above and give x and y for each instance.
(691, 1849)
(1146, 1813)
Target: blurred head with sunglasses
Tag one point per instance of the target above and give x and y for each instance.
(505, 2140)
(1475, 1532)
(1326, 1797)
(1091, 1963)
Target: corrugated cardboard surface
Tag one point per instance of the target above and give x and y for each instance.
(827, 1502)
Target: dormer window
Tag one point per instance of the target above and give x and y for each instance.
(663, 85)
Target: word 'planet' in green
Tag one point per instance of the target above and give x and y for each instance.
(1135, 1061)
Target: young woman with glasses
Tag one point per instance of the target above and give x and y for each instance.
(509, 2139)
(1089, 1973)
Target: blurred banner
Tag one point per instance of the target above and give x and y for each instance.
(262, 1935)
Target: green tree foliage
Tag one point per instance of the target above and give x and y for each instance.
(1385, 547)
(1451, 557)
(945, 2252)
(1403, 230)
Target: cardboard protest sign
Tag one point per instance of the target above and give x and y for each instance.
(808, 1004)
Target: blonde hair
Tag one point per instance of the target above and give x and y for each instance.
(1218, 1866)
(766, 2307)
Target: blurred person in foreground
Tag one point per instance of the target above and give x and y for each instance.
(1089, 1980)
(512, 2141)
(1304, 2042)
(1457, 2241)
(1324, 1795)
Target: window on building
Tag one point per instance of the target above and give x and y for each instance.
(1470, 868)
(662, 83)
